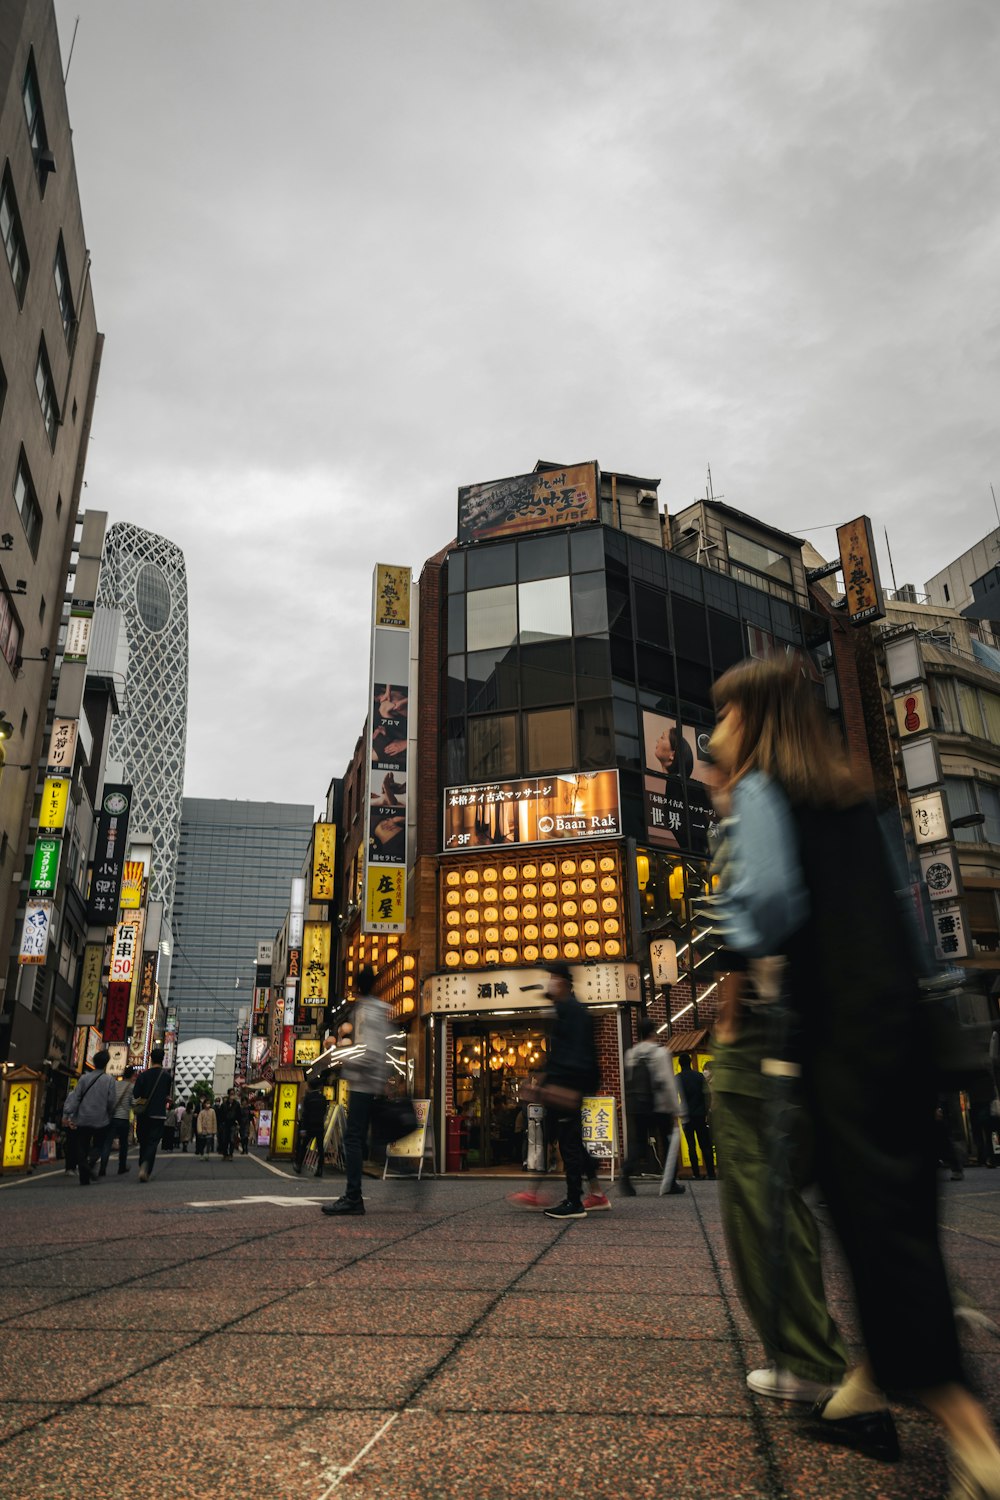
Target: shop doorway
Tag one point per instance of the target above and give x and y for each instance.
(491, 1063)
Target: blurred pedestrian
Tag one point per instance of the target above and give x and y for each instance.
(571, 1071)
(87, 1111)
(121, 1123)
(246, 1116)
(653, 1103)
(169, 1127)
(207, 1126)
(696, 1128)
(811, 882)
(228, 1117)
(311, 1126)
(185, 1129)
(365, 1068)
(149, 1102)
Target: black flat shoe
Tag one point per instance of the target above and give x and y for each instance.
(872, 1433)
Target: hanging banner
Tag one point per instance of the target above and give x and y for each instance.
(55, 796)
(89, 1002)
(35, 932)
(109, 858)
(323, 861)
(389, 772)
(130, 898)
(316, 964)
(62, 745)
(45, 867)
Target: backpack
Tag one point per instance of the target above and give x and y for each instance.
(639, 1086)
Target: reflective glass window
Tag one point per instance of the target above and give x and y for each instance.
(586, 549)
(546, 673)
(596, 735)
(492, 679)
(456, 684)
(489, 566)
(726, 637)
(456, 572)
(492, 747)
(690, 630)
(456, 623)
(545, 610)
(492, 617)
(593, 666)
(651, 622)
(757, 556)
(655, 669)
(590, 604)
(542, 557)
(548, 740)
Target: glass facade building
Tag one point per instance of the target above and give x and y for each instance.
(234, 868)
(144, 576)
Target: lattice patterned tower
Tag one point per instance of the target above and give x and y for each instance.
(143, 575)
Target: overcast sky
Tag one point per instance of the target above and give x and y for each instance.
(350, 256)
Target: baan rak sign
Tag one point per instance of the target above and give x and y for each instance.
(533, 810)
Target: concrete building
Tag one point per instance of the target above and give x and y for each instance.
(235, 863)
(144, 577)
(952, 586)
(50, 353)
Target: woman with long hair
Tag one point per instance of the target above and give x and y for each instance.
(809, 879)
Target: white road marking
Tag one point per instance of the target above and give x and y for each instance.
(339, 1475)
(255, 1198)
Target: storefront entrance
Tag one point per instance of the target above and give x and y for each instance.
(491, 1062)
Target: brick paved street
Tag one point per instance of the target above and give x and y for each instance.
(181, 1339)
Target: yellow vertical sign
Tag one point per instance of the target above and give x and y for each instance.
(324, 855)
(52, 813)
(90, 984)
(283, 1119)
(131, 891)
(17, 1131)
(385, 898)
(392, 596)
(315, 963)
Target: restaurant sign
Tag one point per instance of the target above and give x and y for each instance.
(533, 810)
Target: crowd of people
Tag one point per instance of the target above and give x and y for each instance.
(103, 1114)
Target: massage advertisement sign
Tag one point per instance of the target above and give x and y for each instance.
(389, 770)
(534, 810)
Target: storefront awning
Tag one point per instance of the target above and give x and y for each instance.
(693, 1040)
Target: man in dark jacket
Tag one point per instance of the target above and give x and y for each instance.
(571, 1071)
(696, 1127)
(312, 1125)
(149, 1102)
(228, 1116)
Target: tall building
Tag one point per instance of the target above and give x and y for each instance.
(50, 352)
(234, 869)
(143, 576)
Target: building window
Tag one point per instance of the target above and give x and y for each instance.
(492, 747)
(27, 504)
(41, 611)
(11, 634)
(36, 123)
(46, 394)
(548, 741)
(983, 925)
(64, 293)
(947, 595)
(13, 236)
(491, 617)
(545, 610)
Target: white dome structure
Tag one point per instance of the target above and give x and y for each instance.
(196, 1059)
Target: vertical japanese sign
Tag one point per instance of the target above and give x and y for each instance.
(81, 621)
(109, 857)
(35, 932)
(859, 566)
(144, 1008)
(384, 905)
(45, 867)
(323, 868)
(89, 1002)
(52, 812)
(17, 1127)
(316, 964)
(283, 1121)
(62, 746)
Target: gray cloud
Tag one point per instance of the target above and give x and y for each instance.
(349, 257)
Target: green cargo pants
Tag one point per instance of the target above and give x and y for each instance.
(808, 1344)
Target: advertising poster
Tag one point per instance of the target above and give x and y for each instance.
(534, 810)
(388, 747)
(529, 502)
(130, 898)
(677, 798)
(264, 1128)
(109, 856)
(599, 1120)
(324, 861)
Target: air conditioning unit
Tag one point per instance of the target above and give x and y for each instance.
(645, 497)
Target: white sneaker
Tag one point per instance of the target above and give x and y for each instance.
(784, 1386)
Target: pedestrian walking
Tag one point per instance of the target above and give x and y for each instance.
(246, 1116)
(797, 823)
(185, 1128)
(169, 1127)
(228, 1117)
(696, 1128)
(149, 1102)
(311, 1126)
(87, 1112)
(366, 1070)
(653, 1104)
(207, 1126)
(121, 1124)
